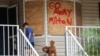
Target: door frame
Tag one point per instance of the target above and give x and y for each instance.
(12, 6)
(3, 5)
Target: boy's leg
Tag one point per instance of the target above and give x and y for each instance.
(32, 44)
(32, 53)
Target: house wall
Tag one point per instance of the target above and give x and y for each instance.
(52, 0)
(4, 2)
(19, 4)
(20, 12)
(13, 2)
(59, 44)
(40, 41)
(90, 12)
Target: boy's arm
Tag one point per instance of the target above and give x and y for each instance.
(29, 36)
(33, 34)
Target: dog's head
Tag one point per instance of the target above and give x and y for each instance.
(52, 42)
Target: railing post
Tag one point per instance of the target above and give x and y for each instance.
(66, 42)
(65, 45)
(76, 42)
(17, 40)
(4, 40)
(28, 43)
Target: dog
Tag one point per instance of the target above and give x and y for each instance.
(50, 50)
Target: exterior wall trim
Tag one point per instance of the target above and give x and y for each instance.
(3, 5)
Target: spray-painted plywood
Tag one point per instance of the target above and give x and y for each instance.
(60, 14)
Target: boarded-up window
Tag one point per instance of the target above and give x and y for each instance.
(34, 11)
(60, 14)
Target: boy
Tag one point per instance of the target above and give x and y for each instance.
(29, 33)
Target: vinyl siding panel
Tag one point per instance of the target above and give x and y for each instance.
(4, 2)
(90, 12)
(20, 12)
(59, 43)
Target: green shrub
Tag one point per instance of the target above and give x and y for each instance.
(92, 43)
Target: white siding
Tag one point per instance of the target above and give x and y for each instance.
(59, 43)
(4, 2)
(90, 12)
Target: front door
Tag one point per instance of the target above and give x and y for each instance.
(7, 16)
(12, 13)
(3, 20)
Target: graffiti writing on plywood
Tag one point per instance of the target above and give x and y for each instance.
(58, 12)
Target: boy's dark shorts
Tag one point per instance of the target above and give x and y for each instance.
(32, 44)
(27, 47)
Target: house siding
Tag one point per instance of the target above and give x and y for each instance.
(19, 4)
(4, 2)
(20, 12)
(90, 12)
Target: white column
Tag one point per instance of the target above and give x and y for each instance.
(18, 41)
(4, 40)
(46, 22)
(74, 4)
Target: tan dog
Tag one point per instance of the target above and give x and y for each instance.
(51, 50)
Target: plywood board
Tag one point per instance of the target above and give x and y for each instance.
(34, 14)
(60, 14)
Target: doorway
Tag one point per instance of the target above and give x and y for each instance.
(8, 15)
(12, 20)
(3, 20)
(12, 15)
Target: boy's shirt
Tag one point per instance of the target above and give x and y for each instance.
(29, 30)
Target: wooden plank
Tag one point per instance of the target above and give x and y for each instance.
(35, 16)
(57, 20)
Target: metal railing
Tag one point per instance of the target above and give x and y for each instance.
(8, 41)
(82, 41)
(14, 42)
(25, 47)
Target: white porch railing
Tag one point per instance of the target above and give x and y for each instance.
(82, 41)
(25, 47)
(8, 42)
(14, 42)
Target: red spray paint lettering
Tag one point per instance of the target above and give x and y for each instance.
(57, 20)
(57, 6)
(57, 10)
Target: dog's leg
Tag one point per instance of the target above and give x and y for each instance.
(49, 54)
(55, 54)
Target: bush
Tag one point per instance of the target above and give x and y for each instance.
(92, 43)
